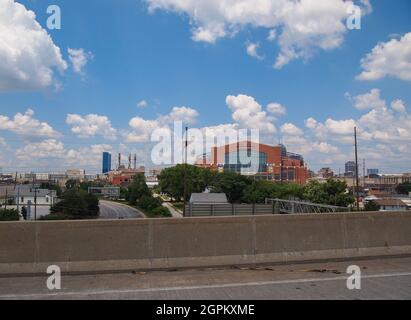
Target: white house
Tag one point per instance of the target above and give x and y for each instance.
(24, 195)
(391, 205)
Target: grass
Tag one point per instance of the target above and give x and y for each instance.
(178, 205)
(147, 213)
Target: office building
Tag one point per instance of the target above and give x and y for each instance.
(263, 162)
(326, 173)
(106, 162)
(350, 169)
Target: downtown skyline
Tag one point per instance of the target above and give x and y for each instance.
(118, 70)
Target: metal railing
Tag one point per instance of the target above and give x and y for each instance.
(272, 206)
(293, 207)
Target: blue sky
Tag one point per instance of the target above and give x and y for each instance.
(134, 53)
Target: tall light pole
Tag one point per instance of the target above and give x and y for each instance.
(185, 173)
(356, 170)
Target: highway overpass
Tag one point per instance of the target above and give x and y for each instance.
(226, 257)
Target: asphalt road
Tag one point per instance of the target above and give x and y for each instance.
(381, 279)
(113, 210)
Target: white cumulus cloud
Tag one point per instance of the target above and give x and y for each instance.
(184, 114)
(26, 125)
(388, 59)
(79, 59)
(249, 114)
(28, 54)
(91, 125)
(252, 50)
(370, 100)
(276, 109)
(300, 27)
(291, 129)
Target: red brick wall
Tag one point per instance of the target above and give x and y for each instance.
(273, 157)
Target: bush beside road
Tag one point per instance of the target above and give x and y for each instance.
(9, 215)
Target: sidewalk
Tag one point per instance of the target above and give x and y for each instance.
(174, 212)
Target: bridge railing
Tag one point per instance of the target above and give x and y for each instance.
(293, 207)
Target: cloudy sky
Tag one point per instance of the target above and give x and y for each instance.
(119, 69)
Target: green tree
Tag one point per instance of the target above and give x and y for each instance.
(51, 186)
(333, 192)
(232, 184)
(259, 191)
(149, 203)
(372, 206)
(171, 180)
(76, 204)
(404, 188)
(137, 189)
(72, 184)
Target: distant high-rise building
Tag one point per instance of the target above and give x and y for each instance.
(326, 173)
(106, 162)
(350, 169)
(373, 172)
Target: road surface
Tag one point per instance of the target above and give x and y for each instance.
(114, 210)
(381, 279)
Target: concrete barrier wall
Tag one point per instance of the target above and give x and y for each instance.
(94, 246)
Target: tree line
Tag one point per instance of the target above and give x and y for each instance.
(242, 189)
(138, 194)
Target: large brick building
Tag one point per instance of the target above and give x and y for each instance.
(273, 163)
(123, 177)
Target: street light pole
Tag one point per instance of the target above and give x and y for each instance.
(185, 173)
(356, 170)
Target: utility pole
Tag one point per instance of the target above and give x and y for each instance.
(35, 199)
(185, 173)
(18, 199)
(18, 193)
(356, 170)
(7, 197)
(35, 203)
(363, 173)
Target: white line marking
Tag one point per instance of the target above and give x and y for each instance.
(216, 286)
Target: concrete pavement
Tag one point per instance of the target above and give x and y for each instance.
(388, 278)
(173, 211)
(114, 210)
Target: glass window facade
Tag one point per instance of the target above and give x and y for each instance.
(246, 161)
(106, 162)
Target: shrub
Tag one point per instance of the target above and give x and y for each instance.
(9, 215)
(149, 203)
(372, 206)
(161, 212)
(76, 204)
(54, 217)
